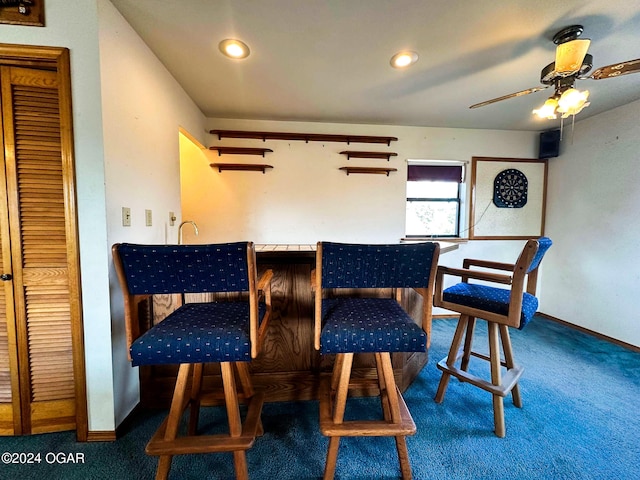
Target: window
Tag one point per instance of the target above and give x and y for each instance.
(433, 200)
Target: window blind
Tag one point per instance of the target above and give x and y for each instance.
(435, 173)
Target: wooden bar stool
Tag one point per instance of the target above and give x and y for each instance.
(226, 332)
(347, 324)
(502, 308)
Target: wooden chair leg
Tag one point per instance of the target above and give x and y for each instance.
(394, 408)
(403, 456)
(383, 388)
(233, 415)
(341, 376)
(390, 382)
(451, 358)
(173, 419)
(196, 387)
(245, 378)
(342, 392)
(510, 363)
(247, 387)
(332, 457)
(468, 343)
(240, 465)
(164, 465)
(494, 356)
(335, 374)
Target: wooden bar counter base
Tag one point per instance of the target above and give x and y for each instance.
(288, 369)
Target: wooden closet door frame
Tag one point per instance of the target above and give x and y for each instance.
(7, 267)
(57, 59)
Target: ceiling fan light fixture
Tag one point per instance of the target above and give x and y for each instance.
(232, 48)
(572, 63)
(572, 102)
(548, 110)
(404, 59)
(570, 55)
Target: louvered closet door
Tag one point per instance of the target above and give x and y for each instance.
(38, 236)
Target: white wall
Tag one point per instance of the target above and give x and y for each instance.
(592, 274)
(143, 110)
(306, 198)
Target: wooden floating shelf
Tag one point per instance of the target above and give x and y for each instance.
(351, 154)
(307, 137)
(254, 167)
(241, 150)
(384, 171)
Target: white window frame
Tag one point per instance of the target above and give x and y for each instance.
(462, 195)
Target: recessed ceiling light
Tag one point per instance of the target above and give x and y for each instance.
(404, 59)
(233, 48)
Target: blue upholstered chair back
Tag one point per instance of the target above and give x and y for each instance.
(376, 266)
(165, 269)
(543, 245)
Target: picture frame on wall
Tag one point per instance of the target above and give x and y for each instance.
(22, 12)
(508, 198)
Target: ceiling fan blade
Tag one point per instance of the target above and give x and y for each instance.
(617, 69)
(511, 95)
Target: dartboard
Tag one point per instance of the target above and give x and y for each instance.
(510, 189)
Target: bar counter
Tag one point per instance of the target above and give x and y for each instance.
(288, 368)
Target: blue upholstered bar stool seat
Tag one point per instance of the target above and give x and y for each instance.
(502, 308)
(225, 332)
(351, 319)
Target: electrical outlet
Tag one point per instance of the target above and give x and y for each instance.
(126, 217)
(148, 216)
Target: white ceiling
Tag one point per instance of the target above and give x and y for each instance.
(328, 61)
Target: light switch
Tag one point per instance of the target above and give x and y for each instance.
(126, 217)
(148, 217)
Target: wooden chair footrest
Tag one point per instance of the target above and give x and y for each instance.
(216, 397)
(509, 380)
(484, 356)
(210, 443)
(199, 444)
(366, 428)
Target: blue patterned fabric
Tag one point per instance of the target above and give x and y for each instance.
(195, 332)
(372, 324)
(543, 245)
(369, 325)
(198, 333)
(491, 299)
(158, 269)
(376, 266)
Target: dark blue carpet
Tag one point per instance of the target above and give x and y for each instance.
(579, 421)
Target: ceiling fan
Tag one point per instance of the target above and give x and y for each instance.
(572, 63)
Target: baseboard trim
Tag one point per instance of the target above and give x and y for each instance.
(101, 436)
(591, 332)
(600, 336)
(113, 435)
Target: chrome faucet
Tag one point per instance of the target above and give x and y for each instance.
(195, 228)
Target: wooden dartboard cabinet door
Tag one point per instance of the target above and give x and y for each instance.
(41, 351)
